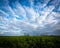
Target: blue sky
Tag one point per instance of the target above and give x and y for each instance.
(34, 17)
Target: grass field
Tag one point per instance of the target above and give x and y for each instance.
(29, 41)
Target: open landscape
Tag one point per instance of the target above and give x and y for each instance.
(29, 41)
(29, 23)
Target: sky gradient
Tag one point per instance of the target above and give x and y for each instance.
(34, 17)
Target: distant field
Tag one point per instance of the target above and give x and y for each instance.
(29, 41)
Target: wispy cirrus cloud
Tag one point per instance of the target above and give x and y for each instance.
(17, 19)
(2, 13)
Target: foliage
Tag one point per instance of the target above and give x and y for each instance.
(29, 41)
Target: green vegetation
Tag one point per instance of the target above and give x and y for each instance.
(29, 41)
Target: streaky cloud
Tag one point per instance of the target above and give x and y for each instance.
(40, 18)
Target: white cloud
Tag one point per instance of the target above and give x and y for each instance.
(21, 10)
(34, 24)
(2, 13)
(31, 2)
(1, 33)
(45, 13)
(54, 2)
(59, 8)
(11, 11)
(51, 19)
(57, 14)
(32, 14)
(43, 5)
